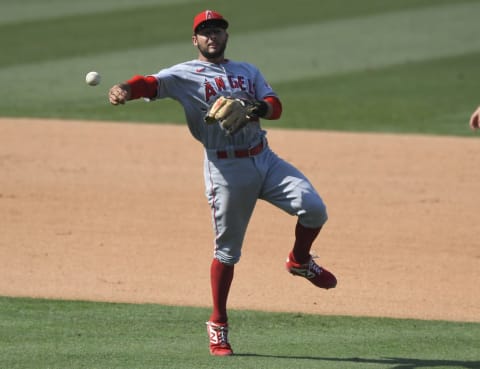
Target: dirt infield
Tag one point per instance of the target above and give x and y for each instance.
(116, 212)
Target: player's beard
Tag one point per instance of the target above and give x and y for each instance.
(213, 55)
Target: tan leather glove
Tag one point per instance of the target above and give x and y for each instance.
(231, 113)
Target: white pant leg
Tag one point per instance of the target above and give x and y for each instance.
(232, 187)
(287, 188)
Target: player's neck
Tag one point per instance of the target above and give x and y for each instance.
(218, 60)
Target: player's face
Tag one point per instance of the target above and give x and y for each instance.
(211, 43)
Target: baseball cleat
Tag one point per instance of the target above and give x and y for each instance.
(218, 334)
(317, 275)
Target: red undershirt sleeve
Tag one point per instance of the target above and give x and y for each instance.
(141, 86)
(276, 107)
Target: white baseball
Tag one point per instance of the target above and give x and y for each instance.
(92, 78)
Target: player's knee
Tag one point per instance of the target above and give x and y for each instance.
(227, 256)
(319, 212)
(315, 215)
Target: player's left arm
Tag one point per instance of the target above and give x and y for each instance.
(270, 108)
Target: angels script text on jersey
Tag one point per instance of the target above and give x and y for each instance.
(239, 83)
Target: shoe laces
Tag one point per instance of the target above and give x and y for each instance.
(222, 334)
(219, 334)
(313, 266)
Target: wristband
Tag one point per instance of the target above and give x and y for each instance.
(260, 109)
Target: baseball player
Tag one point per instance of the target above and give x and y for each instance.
(475, 119)
(224, 101)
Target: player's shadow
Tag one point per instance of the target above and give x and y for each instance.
(395, 362)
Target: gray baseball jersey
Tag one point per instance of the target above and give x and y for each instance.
(235, 182)
(196, 84)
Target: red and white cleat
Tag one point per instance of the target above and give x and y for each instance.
(218, 334)
(317, 275)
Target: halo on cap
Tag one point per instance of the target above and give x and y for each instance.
(208, 18)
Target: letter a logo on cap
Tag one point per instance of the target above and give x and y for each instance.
(209, 16)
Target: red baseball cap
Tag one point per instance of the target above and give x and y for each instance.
(207, 18)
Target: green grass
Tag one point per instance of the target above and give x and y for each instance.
(409, 66)
(110, 29)
(65, 334)
(391, 99)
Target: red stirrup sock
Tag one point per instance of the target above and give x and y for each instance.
(304, 238)
(221, 276)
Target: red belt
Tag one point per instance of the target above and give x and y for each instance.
(242, 153)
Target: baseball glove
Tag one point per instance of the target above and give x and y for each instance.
(232, 113)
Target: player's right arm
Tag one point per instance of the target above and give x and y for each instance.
(134, 88)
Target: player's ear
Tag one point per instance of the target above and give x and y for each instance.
(194, 40)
